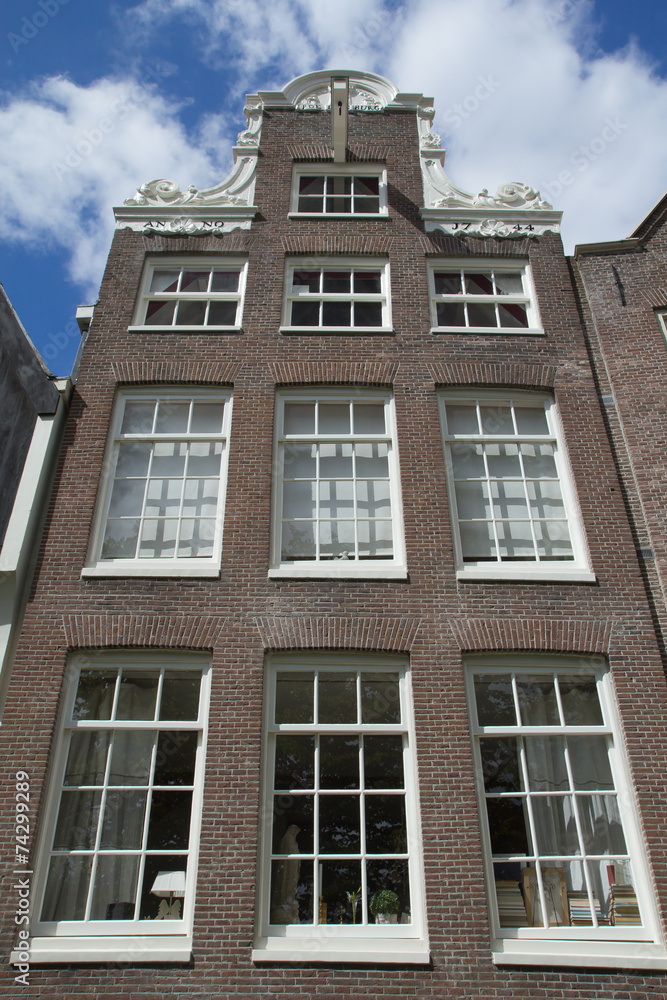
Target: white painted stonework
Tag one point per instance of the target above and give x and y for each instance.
(516, 210)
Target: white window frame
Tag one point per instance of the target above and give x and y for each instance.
(365, 942)
(577, 569)
(662, 320)
(528, 299)
(625, 946)
(118, 940)
(205, 566)
(394, 568)
(354, 264)
(333, 170)
(239, 264)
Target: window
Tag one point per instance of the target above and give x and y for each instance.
(118, 857)
(190, 294)
(336, 495)
(341, 878)
(161, 505)
(514, 513)
(337, 295)
(482, 298)
(339, 192)
(564, 862)
(662, 319)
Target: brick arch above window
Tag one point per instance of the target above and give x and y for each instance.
(334, 372)
(484, 373)
(175, 372)
(557, 635)
(91, 631)
(395, 635)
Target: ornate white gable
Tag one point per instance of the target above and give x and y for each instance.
(160, 205)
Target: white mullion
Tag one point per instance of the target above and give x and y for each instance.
(317, 879)
(318, 484)
(362, 829)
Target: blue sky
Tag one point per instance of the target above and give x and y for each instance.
(575, 105)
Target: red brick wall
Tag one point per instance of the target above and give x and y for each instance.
(430, 616)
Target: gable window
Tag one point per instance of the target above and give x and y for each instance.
(338, 191)
(337, 295)
(160, 507)
(191, 294)
(564, 863)
(482, 298)
(514, 512)
(341, 875)
(118, 860)
(336, 492)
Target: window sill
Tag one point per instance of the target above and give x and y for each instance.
(339, 570)
(357, 331)
(185, 329)
(338, 215)
(581, 954)
(60, 950)
(510, 574)
(147, 568)
(490, 330)
(371, 951)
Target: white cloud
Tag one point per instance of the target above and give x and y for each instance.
(69, 153)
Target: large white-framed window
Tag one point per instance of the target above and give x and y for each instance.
(359, 189)
(117, 857)
(191, 293)
(161, 501)
(337, 295)
(566, 870)
(341, 870)
(482, 297)
(336, 495)
(513, 506)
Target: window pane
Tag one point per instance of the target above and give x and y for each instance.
(579, 698)
(306, 281)
(337, 697)
(367, 185)
(383, 762)
(538, 461)
(195, 281)
(370, 206)
(123, 823)
(553, 540)
(67, 888)
(190, 313)
(336, 499)
(338, 204)
(339, 824)
(133, 459)
(333, 418)
(175, 758)
(503, 460)
(294, 697)
(369, 418)
(555, 826)
(339, 762)
(137, 694)
(295, 762)
(172, 418)
(291, 892)
(164, 281)
(221, 314)
(472, 500)
(293, 824)
(159, 313)
(120, 539)
(336, 539)
(206, 417)
(601, 824)
(380, 703)
(494, 699)
(76, 828)
(514, 315)
(447, 282)
(305, 314)
(299, 499)
(95, 694)
(385, 824)
(500, 764)
(368, 282)
(507, 826)
(341, 892)
(152, 906)
(298, 540)
(545, 758)
(115, 888)
(467, 460)
(131, 757)
(372, 460)
(537, 700)
(311, 185)
(336, 461)
(169, 826)
(337, 282)
(138, 417)
(204, 458)
(508, 283)
(200, 498)
(336, 313)
(164, 497)
(479, 284)
(531, 420)
(451, 314)
(158, 539)
(367, 314)
(589, 760)
(180, 695)
(373, 498)
(546, 499)
(225, 281)
(497, 419)
(462, 418)
(87, 758)
(388, 877)
(477, 541)
(299, 418)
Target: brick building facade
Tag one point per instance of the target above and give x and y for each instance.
(339, 675)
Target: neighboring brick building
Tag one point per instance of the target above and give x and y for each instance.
(623, 289)
(399, 729)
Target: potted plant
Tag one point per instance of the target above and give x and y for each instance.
(384, 905)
